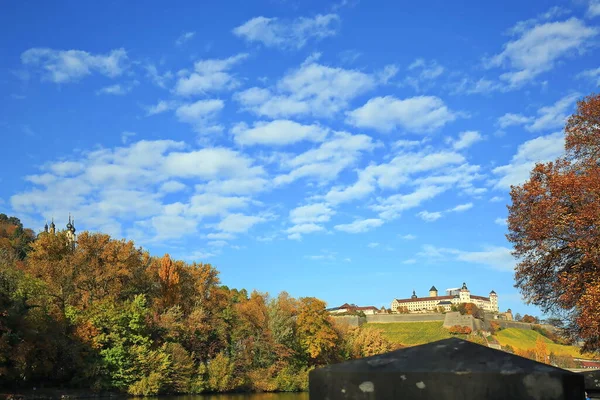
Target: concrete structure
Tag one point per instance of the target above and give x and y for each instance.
(347, 308)
(434, 302)
(446, 369)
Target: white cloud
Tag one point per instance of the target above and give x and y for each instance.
(325, 162)
(408, 237)
(429, 216)
(217, 243)
(541, 149)
(294, 34)
(360, 225)
(277, 133)
(312, 213)
(409, 261)
(313, 89)
(184, 38)
(295, 232)
(415, 114)
(111, 189)
(172, 187)
(201, 115)
(392, 206)
(239, 223)
(160, 80)
(403, 169)
(466, 139)
(372, 245)
(126, 135)
(62, 66)
(501, 221)
(423, 73)
(210, 163)
(495, 257)
(220, 236)
(539, 47)
(160, 107)
(209, 76)
(554, 116)
(549, 117)
(496, 199)
(593, 9)
(198, 256)
(461, 207)
(510, 119)
(591, 74)
(117, 89)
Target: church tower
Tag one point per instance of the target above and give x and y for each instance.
(71, 231)
(52, 229)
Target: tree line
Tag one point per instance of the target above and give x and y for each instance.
(107, 315)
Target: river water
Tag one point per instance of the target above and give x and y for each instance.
(240, 396)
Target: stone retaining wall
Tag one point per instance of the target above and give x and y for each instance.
(454, 318)
(388, 318)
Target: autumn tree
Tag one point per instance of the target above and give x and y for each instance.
(528, 319)
(541, 350)
(315, 330)
(554, 226)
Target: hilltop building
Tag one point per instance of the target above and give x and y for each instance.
(70, 231)
(453, 297)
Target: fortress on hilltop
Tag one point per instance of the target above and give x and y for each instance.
(454, 296)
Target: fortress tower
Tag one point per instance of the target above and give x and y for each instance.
(494, 300)
(433, 292)
(465, 294)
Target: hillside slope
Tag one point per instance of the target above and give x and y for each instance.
(412, 333)
(525, 339)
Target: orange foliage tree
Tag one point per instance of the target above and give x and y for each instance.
(554, 226)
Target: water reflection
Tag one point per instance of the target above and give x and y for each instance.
(239, 396)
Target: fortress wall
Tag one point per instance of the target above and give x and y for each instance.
(454, 318)
(513, 324)
(351, 320)
(388, 318)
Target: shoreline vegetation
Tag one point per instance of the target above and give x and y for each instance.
(105, 315)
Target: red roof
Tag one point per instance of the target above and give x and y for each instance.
(590, 364)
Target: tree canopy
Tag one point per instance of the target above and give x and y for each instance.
(554, 226)
(105, 314)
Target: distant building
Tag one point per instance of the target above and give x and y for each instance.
(70, 231)
(453, 297)
(347, 308)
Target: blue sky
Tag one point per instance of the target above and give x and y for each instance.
(347, 150)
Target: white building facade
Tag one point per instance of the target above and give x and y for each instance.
(433, 302)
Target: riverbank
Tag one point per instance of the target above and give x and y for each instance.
(54, 394)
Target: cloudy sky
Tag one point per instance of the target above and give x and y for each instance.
(350, 150)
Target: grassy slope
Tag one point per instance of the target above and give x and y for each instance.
(525, 339)
(415, 333)
(412, 333)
